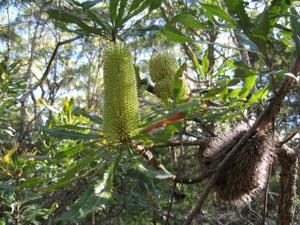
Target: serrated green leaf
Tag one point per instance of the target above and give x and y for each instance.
(237, 8)
(70, 174)
(174, 35)
(67, 134)
(198, 67)
(94, 197)
(295, 26)
(259, 95)
(249, 82)
(218, 11)
(80, 111)
(100, 21)
(113, 7)
(187, 20)
(247, 42)
(121, 12)
(205, 63)
(235, 92)
(68, 18)
(228, 65)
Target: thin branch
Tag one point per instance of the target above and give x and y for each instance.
(46, 72)
(202, 142)
(291, 136)
(147, 154)
(194, 180)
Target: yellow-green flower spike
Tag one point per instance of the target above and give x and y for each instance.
(163, 66)
(120, 93)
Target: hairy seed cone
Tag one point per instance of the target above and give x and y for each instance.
(246, 174)
(163, 66)
(120, 93)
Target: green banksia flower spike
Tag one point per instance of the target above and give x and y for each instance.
(120, 93)
(163, 66)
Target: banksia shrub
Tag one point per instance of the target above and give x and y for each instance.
(163, 68)
(120, 93)
(246, 173)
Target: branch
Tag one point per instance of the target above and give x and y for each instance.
(149, 157)
(193, 180)
(261, 123)
(46, 72)
(291, 136)
(203, 142)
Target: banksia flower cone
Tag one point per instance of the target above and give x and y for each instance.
(120, 93)
(163, 68)
(246, 174)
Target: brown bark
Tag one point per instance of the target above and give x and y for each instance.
(287, 197)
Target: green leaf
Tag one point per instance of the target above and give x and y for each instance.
(228, 65)
(101, 22)
(69, 151)
(90, 4)
(32, 182)
(198, 67)
(237, 8)
(121, 11)
(249, 82)
(140, 8)
(80, 111)
(66, 134)
(205, 63)
(68, 18)
(94, 197)
(235, 92)
(187, 20)
(218, 11)
(174, 35)
(259, 95)
(249, 44)
(113, 7)
(295, 26)
(70, 175)
(154, 174)
(262, 23)
(86, 4)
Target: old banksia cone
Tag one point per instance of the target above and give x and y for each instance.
(163, 68)
(246, 173)
(120, 93)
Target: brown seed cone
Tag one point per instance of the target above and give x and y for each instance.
(246, 174)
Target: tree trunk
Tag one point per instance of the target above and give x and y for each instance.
(287, 196)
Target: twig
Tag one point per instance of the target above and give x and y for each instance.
(290, 136)
(46, 72)
(194, 180)
(265, 207)
(202, 142)
(173, 191)
(147, 154)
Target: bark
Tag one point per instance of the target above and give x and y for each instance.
(287, 197)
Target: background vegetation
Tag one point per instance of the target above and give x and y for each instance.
(241, 60)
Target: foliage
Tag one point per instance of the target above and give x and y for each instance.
(58, 164)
